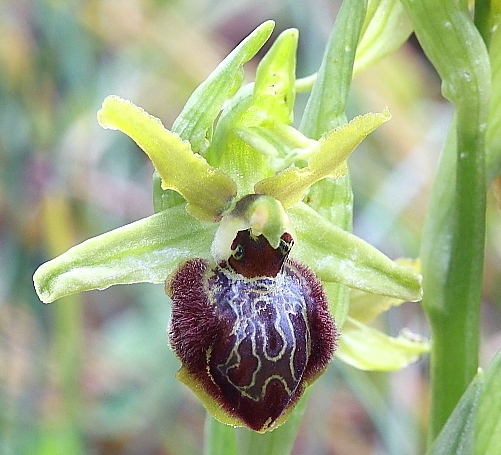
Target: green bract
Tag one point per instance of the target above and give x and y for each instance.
(228, 142)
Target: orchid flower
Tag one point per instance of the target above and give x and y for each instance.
(251, 262)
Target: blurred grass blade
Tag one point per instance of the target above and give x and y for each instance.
(144, 251)
(488, 416)
(337, 255)
(493, 133)
(456, 437)
(173, 159)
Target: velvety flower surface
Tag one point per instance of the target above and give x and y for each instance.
(254, 258)
(251, 332)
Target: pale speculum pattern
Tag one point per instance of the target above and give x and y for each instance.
(267, 339)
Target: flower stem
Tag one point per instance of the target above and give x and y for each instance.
(453, 238)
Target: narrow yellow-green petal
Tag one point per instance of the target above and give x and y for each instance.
(364, 307)
(328, 160)
(366, 348)
(207, 190)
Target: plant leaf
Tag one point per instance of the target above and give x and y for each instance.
(173, 159)
(144, 251)
(386, 28)
(337, 255)
(456, 437)
(488, 416)
(366, 348)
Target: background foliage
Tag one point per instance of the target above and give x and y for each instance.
(92, 373)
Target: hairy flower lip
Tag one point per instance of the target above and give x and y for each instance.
(249, 346)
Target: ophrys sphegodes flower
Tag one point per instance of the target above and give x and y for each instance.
(251, 331)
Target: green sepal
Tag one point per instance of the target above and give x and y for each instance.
(487, 429)
(336, 255)
(173, 159)
(274, 93)
(205, 103)
(144, 251)
(328, 160)
(269, 100)
(364, 307)
(281, 144)
(366, 348)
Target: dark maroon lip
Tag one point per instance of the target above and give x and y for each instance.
(253, 332)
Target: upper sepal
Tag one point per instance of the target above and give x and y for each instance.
(337, 255)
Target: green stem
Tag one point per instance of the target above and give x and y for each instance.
(451, 281)
(453, 237)
(276, 442)
(219, 438)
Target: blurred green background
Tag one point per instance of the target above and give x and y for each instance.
(92, 374)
